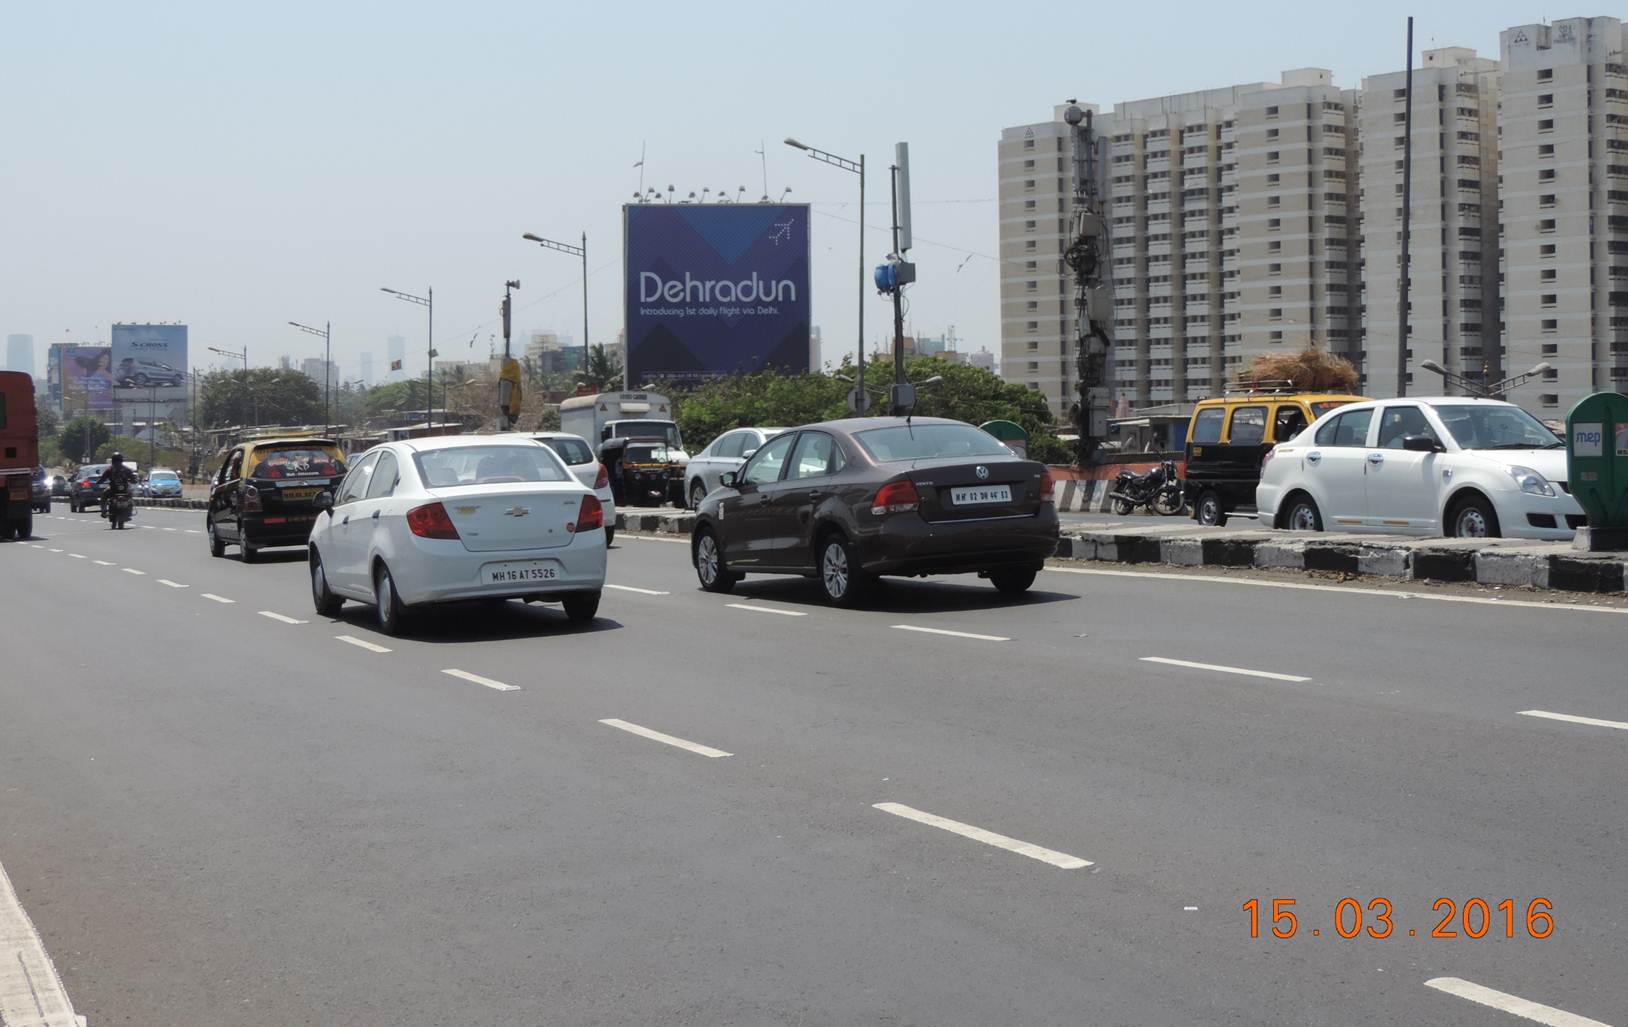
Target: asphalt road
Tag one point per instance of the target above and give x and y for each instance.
(214, 815)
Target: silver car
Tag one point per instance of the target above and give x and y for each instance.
(727, 453)
(579, 457)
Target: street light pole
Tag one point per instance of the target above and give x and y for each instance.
(576, 251)
(428, 302)
(248, 386)
(326, 332)
(860, 398)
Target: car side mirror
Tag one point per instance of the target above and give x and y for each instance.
(323, 500)
(748, 454)
(729, 479)
(1421, 444)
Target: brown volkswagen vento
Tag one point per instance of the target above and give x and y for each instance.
(848, 501)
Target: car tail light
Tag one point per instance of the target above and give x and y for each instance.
(251, 500)
(1047, 487)
(602, 479)
(895, 497)
(1268, 458)
(590, 515)
(431, 521)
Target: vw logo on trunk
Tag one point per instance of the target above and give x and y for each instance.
(981, 471)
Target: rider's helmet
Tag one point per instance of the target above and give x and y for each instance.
(117, 459)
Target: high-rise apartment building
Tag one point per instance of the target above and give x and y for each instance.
(324, 373)
(1453, 233)
(1563, 127)
(20, 353)
(1233, 226)
(367, 369)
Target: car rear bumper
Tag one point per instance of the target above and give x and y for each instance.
(444, 571)
(909, 545)
(290, 529)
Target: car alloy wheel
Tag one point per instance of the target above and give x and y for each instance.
(1303, 516)
(1209, 510)
(709, 564)
(698, 492)
(834, 569)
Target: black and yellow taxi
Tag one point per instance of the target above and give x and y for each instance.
(1229, 436)
(265, 493)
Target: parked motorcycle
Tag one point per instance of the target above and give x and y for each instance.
(120, 505)
(1160, 490)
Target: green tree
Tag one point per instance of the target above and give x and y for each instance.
(264, 395)
(49, 422)
(602, 371)
(81, 437)
(550, 419)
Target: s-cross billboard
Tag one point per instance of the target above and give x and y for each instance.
(715, 289)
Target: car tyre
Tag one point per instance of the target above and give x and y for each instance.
(709, 564)
(841, 578)
(391, 611)
(322, 597)
(698, 492)
(581, 607)
(610, 535)
(1303, 515)
(1012, 581)
(24, 528)
(1209, 509)
(251, 553)
(217, 548)
(1474, 517)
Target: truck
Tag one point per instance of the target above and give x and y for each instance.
(19, 454)
(611, 420)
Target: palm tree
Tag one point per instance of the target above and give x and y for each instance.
(602, 371)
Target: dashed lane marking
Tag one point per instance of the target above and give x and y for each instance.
(362, 644)
(766, 609)
(1511, 1004)
(132, 570)
(281, 618)
(978, 834)
(104, 563)
(640, 591)
(657, 736)
(56, 550)
(497, 686)
(78, 556)
(167, 583)
(218, 599)
(952, 634)
(1223, 669)
(1573, 719)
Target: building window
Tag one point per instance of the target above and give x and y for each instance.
(1028, 165)
(1546, 74)
(1271, 133)
(1546, 175)
(1032, 285)
(1274, 269)
(1275, 314)
(1274, 224)
(1028, 226)
(1546, 150)
(1275, 292)
(1546, 100)
(1550, 325)
(1546, 200)
(1271, 112)
(1548, 274)
(1275, 336)
(1274, 201)
(1028, 205)
(1549, 399)
(1546, 125)
(1034, 326)
(1547, 225)
(1549, 299)
(1551, 349)
(1028, 185)
(1271, 156)
(1275, 246)
(1546, 250)
(1028, 144)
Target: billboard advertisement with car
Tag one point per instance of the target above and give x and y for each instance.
(149, 357)
(87, 380)
(715, 289)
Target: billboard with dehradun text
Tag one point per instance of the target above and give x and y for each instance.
(715, 289)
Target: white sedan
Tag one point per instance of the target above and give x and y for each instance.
(1467, 468)
(439, 520)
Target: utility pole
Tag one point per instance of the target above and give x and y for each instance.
(426, 301)
(894, 275)
(858, 399)
(1086, 258)
(1407, 224)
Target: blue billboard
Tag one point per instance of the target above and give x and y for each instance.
(715, 290)
(150, 361)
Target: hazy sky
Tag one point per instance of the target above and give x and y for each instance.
(238, 166)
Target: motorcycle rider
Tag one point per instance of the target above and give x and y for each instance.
(116, 472)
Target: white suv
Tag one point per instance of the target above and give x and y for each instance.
(1470, 468)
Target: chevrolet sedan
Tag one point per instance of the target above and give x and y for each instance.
(848, 501)
(427, 521)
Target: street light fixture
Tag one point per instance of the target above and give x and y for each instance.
(326, 334)
(1482, 389)
(426, 301)
(575, 251)
(859, 395)
(243, 355)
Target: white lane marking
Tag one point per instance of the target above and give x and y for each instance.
(477, 679)
(1572, 719)
(104, 563)
(30, 990)
(952, 634)
(1223, 669)
(171, 584)
(1384, 593)
(132, 570)
(978, 834)
(193, 531)
(280, 617)
(766, 609)
(56, 550)
(362, 644)
(657, 736)
(218, 599)
(77, 556)
(641, 591)
(1511, 1004)
(149, 527)
(170, 529)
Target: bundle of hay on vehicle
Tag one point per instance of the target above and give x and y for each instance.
(1311, 370)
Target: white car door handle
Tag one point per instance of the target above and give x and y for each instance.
(375, 515)
(1376, 458)
(1313, 457)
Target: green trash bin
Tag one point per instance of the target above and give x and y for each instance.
(1597, 468)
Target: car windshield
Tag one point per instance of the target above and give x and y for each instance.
(646, 430)
(922, 441)
(1478, 426)
(457, 466)
(297, 462)
(572, 451)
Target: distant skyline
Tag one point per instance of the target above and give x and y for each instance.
(236, 170)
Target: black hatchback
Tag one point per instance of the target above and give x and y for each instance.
(849, 501)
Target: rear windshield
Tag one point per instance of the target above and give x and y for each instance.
(646, 430)
(297, 462)
(487, 465)
(922, 441)
(1323, 406)
(572, 451)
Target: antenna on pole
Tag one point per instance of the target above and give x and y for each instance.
(763, 157)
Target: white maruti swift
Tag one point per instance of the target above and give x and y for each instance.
(1450, 465)
(439, 520)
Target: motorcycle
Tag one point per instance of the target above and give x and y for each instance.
(119, 504)
(1160, 490)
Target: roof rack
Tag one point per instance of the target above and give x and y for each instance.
(1270, 386)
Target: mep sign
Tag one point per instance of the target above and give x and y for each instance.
(715, 289)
